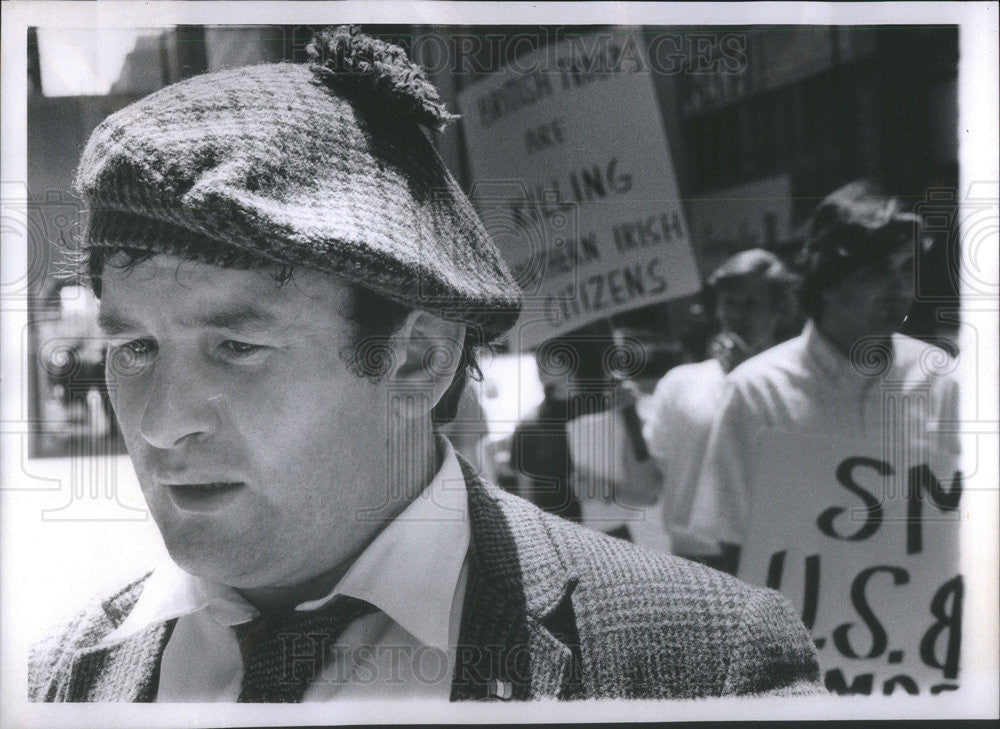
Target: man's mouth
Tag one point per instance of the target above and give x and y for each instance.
(204, 497)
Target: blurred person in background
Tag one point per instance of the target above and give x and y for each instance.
(698, 328)
(753, 295)
(539, 451)
(614, 477)
(858, 284)
(469, 430)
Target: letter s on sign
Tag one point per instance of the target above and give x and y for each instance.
(879, 638)
(873, 519)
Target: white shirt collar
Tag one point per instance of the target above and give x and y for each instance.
(410, 571)
(834, 363)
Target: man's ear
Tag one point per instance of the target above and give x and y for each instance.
(428, 352)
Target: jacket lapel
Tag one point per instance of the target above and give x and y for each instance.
(513, 637)
(125, 671)
(550, 664)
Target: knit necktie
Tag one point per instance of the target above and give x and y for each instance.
(283, 651)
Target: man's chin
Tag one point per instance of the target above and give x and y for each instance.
(212, 570)
(210, 555)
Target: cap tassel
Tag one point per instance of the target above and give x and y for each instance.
(344, 57)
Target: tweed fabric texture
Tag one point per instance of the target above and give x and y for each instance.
(66, 667)
(279, 162)
(649, 625)
(283, 651)
(556, 611)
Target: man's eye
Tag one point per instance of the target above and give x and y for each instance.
(238, 349)
(137, 348)
(130, 358)
(141, 347)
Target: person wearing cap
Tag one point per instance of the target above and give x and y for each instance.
(753, 296)
(857, 287)
(293, 286)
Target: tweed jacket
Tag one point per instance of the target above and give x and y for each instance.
(552, 610)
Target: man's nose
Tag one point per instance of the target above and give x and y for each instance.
(179, 405)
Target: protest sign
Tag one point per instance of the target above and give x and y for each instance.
(756, 214)
(573, 178)
(864, 541)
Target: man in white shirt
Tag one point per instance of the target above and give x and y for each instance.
(832, 379)
(293, 286)
(753, 292)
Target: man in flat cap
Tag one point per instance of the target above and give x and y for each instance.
(293, 286)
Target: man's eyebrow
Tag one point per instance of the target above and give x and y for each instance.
(111, 322)
(235, 319)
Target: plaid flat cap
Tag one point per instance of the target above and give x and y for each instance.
(322, 164)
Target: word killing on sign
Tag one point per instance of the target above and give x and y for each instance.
(586, 184)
